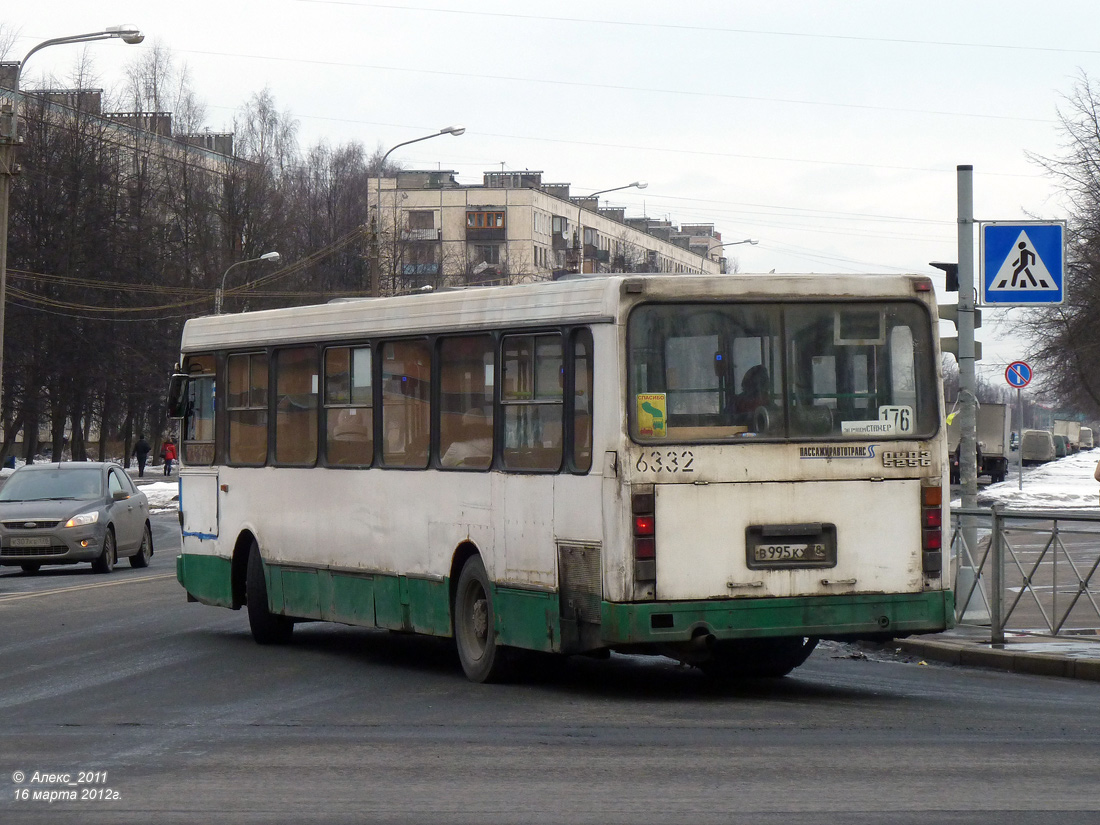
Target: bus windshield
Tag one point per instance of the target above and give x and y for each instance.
(859, 370)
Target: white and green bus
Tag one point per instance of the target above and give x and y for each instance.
(720, 469)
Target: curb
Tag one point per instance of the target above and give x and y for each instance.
(1035, 664)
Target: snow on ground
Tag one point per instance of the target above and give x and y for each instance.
(163, 496)
(1066, 483)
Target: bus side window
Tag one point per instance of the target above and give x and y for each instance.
(531, 402)
(247, 407)
(349, 413)
(406, 398)
(582, 401)
(296, 406)
(466, 402)
(198, 424)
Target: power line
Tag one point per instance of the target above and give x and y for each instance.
(482, 77)
(704, 29)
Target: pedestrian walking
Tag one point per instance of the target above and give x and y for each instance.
(141, 452)
(168, 453)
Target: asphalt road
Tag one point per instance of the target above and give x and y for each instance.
(193, 722)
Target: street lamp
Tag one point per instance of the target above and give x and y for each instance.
(376, 266)
(733, 243)
(638, 184)
(730, 243)
(9, 139)
(267, 256)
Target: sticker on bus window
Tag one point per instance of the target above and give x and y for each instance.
(891, 421)
(900, 417)
(652, 415)
(871, 428)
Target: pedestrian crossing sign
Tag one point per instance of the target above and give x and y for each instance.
(1023, 263)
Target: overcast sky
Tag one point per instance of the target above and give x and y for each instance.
(828, 131)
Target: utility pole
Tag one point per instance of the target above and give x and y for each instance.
(9, 139)
(968, 385)
(977, 610)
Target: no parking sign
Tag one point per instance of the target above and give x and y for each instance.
(1018, 374)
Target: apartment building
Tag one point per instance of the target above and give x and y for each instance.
(427, 228)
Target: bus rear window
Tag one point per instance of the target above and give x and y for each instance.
(781, 371)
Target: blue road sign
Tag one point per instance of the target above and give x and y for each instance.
(1018, 374)
(1023, 263)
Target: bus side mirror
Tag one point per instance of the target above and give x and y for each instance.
(177, 396)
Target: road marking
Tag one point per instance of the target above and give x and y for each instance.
(17, 597)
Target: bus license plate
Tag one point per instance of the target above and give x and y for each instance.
(30, 541)
(790, 546)
(764, 553)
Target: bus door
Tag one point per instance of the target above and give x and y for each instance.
(191, 399)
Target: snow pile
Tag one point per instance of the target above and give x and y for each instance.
(163, 496)
(1066, 483)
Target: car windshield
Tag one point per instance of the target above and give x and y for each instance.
(61, 483)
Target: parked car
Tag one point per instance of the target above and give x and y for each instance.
(1036, 447)
(1061, 446)
(72, 512)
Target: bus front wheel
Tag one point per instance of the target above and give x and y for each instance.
(482, 658)
(267, 628)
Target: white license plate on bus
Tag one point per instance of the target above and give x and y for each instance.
(789, 552)
(787, 546)
(30, 541)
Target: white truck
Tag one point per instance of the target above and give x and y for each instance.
(1071, 430)
(1086, 438)
(994, 434)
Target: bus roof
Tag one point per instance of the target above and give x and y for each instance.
(587, 300)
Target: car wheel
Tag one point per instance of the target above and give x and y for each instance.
(267, 628)
(106, 561)
(482, 658)
(31, 569)
(145, 552)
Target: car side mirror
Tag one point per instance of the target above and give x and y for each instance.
(120, 495)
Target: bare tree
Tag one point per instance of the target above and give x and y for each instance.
(7, 40)
(1066, 339)
(156, 82)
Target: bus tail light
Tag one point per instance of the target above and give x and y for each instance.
(931, 500)
(642, 507)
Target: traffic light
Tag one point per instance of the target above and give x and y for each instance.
(952, 272)
(950, 312)
(951, 345)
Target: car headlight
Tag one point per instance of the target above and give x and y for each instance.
(83, 519)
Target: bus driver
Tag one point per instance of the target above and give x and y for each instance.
(754, 394)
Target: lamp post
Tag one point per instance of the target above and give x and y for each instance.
(267, 256)
(9, 140)
(638, 184)
(732, 243)
(376, 265)
(735, 243)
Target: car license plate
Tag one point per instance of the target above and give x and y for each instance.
(30, 541)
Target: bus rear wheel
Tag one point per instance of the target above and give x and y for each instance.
(482, 658)
(267, 628)
(757, 658)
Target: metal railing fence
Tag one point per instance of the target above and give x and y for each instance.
(1040, 567)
